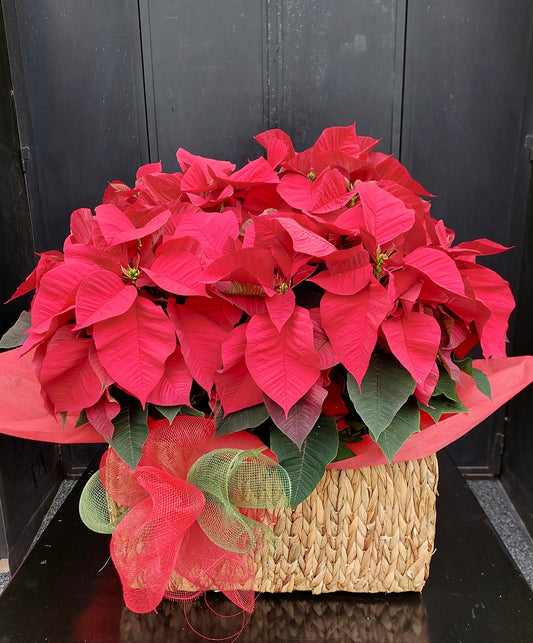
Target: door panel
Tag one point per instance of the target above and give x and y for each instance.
(205, 78)
(464, 94)
(80, 93)
(341, 63)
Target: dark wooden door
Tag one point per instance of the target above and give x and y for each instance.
(103, 87)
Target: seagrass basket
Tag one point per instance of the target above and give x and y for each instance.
(361, 530)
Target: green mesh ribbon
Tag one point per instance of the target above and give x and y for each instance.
(232, 478)
(97, 510)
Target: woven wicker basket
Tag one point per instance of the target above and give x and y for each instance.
(361, 530)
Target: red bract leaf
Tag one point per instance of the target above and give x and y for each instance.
(262, 197)
(163, 188)
(100, 296)
(212, 167)
(347, 276)
(401, 281)
(252, 174)
(234, 346)
(438, 267)
(236, 388)
(424, 391)
(205, 175)
(390, 169)
(67, 376)
(176, 271)
(283, 364)
(174, 387)
(352, 322)
(296, 190)
(133, 347)
(47, 261)
(278, 145)
(494, 293)
(302, 417)
(249, 265)
(119, 194)
(36, 339)
(335, 140)
(213, 198)
(366, 144)
(305, 241)
(98, 254)
(326, 193)
(280, 307)
(56, 294)
(105, 379)
(350, 221)
(101, 414)
(453, 370)
(478, 247)
(327, 358)
(385, 216)
(218, 310)
(335, 147)
(117, 227)
(81, 225)
(210, 229)
(329, 192)
(149, 168)
(200, 340)
(414, 339)
(334, 404)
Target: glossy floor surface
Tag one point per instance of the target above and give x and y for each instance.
(65, 592)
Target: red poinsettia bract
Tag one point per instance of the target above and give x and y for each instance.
(255, 283)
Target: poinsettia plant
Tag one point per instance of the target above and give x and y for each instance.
(308, 297)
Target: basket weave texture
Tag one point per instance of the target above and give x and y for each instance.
(361, 530)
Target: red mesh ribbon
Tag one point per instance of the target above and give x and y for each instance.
(160, 536)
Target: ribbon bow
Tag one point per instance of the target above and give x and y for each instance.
(183, 514)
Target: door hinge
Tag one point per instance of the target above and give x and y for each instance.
(528, 143)
(25, 158)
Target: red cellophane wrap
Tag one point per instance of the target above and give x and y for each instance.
(22, 412)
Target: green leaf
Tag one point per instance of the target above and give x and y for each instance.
(482, 382)
(384, 390)
(440, 404)
(170, 412)
(446, 386)
(13, 338)
(479, 377)
(306, 466)
(63, 415)
(82, 419)
(247, 418)
(404, 424)
(131, 430)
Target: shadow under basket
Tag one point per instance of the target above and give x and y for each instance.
(361, 530)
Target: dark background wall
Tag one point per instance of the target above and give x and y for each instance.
(101, 88)
(29, 472)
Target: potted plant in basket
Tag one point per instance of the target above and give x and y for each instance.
(233, 333)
